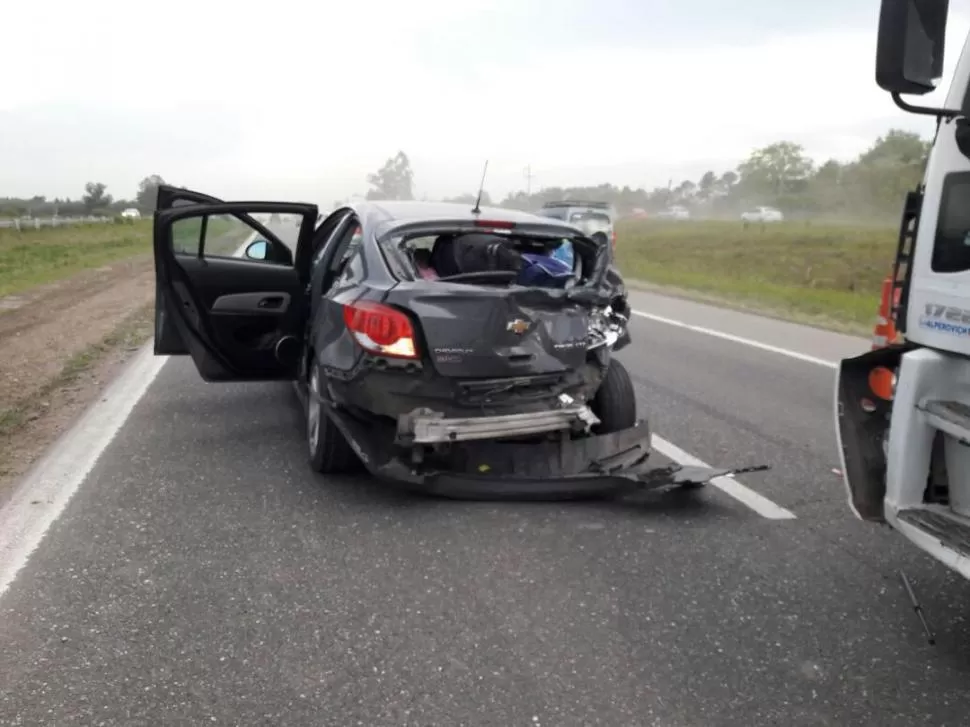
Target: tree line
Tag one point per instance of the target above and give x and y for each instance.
(870, 187)
(95, 201)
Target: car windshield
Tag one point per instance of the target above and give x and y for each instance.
(589, 216)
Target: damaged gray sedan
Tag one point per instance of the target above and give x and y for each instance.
(457, 351)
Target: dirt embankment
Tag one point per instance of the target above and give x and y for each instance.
(59, 345)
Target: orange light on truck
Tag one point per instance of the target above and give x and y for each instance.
(882, 383)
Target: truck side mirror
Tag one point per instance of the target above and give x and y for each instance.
(909, 51)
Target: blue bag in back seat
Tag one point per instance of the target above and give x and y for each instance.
(544, 271)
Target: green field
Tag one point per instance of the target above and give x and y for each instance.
(36, 256)
(824, 274)
(829, 275)
(223, 235)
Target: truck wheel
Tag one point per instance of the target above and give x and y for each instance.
(330, 452)
(615, 402)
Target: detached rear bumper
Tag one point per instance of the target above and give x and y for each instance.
(608, 465)
(424, 426)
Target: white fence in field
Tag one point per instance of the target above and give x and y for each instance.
(29, 223)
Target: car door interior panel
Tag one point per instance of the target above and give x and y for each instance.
(238, 318)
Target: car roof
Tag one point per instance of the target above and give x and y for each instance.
(587, 210)
(574, 206)
(394, 212)
(569, 203)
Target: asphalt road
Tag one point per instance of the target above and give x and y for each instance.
(201, 574)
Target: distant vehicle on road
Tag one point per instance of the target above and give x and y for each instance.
(674, 212)
(595, 219)
(132, 213)
(762, 214)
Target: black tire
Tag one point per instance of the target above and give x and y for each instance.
(615, 402)
(329, 450)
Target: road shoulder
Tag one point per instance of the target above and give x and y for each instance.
(747, 327)
(62, 344)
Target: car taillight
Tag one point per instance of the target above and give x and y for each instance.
(613, 239)
(380, 329)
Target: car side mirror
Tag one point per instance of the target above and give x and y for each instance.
(909, 50)
(257, 250)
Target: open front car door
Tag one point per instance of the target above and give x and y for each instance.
(231, 284)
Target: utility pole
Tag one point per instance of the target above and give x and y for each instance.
(528, 180)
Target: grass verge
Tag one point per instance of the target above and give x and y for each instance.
(133, 331)
(37, 256)
(33, 257)
(223, 234)
(828, 275)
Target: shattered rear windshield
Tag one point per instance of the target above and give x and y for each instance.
(427, 242)
(423, 257)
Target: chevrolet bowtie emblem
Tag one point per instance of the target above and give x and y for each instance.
(518, 326)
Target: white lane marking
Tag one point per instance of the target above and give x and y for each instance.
(738, 339)
(49, 486)
(728, 485)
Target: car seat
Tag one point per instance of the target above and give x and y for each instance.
(473, 253)
(442, 258)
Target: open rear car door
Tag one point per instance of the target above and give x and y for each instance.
(231, 280)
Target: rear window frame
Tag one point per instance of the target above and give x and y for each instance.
(392, 243)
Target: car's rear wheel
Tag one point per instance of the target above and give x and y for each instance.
(330, 452)
(615, 402)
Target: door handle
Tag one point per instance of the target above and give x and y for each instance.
(262, 303)
(271, 302)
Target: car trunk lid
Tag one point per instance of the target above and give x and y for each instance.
(474, 331)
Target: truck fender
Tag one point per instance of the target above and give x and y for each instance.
(862, 427)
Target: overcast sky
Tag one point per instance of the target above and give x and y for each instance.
(300, 100)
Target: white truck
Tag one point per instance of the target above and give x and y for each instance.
(903, 409)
